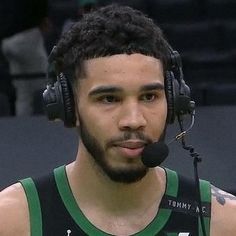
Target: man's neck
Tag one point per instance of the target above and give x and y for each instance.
(89, 184)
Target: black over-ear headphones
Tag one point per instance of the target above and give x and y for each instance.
(59, 99)
(177, 91)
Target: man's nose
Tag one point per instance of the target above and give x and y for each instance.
(132, 117)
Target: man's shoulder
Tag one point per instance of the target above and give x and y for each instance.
(223, 220)
(13, 211)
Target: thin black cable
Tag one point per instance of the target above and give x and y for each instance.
(196, 160)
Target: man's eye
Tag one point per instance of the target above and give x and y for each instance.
(149, 97)
(108, 99)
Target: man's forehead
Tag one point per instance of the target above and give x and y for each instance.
(120, 57)
(125, 73)
(120, 62)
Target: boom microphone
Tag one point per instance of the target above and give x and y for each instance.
(154, 154)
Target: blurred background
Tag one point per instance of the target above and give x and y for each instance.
(204, 33)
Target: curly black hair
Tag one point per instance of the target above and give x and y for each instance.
(111, 30)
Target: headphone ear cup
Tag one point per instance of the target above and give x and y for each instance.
(51, 102)
(69, 117)
(178, 97)
(170, 96)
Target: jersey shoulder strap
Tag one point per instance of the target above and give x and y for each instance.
(184, 205)
(33, 206)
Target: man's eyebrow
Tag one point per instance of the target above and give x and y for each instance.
(115, 89)
(104, 89)
(153, 86)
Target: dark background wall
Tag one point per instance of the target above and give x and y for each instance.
(33, 146)
(203, 31)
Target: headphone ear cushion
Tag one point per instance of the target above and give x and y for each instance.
(68, 100)
(170, 96)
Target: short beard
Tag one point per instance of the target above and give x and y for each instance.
(97, 152)
(128, 175)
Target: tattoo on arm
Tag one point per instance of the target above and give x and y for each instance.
(221, 196)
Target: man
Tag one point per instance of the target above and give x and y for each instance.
(118, 66)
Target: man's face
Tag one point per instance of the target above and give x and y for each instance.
(121, 108)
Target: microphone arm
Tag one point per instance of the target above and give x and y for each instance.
(183, 132)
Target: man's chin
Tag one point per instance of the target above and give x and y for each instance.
(126, 176)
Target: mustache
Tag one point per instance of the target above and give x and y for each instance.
(127, 135)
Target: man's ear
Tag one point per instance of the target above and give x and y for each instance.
(77, 121)
(75, 93)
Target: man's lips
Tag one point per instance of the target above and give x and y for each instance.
(131, 148)
(132, 144)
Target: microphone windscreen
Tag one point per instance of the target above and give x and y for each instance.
(154, 154)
